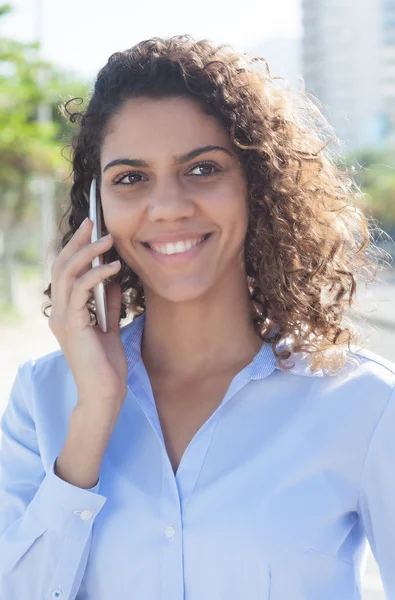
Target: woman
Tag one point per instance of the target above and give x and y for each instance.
(227, 443)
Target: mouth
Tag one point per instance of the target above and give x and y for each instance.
(178, 252)
(177, 248)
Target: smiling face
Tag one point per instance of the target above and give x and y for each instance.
(175, 178)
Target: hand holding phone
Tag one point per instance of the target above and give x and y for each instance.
(99, 290)
(96, 357)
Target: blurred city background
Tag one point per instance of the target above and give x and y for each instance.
(341, 52)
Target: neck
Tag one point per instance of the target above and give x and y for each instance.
(209, 335)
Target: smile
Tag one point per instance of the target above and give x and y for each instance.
(177, 253)
(177, 248)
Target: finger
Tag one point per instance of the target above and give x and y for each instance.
(80, 238)
(79, 264)
(82, 286)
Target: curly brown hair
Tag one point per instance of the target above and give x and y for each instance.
(307, 242)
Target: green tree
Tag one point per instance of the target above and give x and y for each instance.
(28, 147)
(375, 175)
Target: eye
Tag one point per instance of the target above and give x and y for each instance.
(135, 174)
(206, 169)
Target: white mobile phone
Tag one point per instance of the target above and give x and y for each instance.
(99, 291)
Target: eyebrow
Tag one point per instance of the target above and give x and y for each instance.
(135, 162)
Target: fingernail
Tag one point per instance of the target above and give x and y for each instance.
(83, 222)
(105, 238)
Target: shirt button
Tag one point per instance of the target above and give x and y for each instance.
(57, 594)
(86, 515)
(169, 532)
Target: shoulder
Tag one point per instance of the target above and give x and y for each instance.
(54, 363)
(362, 389)
(365, 367)
(44, 392)
(375, 362)
(360, 364)
(44, 374)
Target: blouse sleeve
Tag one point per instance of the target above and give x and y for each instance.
(377, 496)
(45, 522)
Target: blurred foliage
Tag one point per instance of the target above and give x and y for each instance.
(30, 148)
(374, 173)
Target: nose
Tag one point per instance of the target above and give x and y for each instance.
(170, 202)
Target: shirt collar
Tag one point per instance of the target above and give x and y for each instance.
(263, 364)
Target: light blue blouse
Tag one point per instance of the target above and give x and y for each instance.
(273, 499)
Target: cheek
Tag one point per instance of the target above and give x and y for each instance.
(231, 207)
(121, 222)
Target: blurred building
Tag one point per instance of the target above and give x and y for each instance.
(284, 58)
(387, 67)
(348, 63)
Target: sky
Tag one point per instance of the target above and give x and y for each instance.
(80, 35)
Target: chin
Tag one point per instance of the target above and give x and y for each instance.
(180, 292)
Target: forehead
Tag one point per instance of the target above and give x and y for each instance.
(172, 125)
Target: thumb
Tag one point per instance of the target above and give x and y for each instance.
(114, 297)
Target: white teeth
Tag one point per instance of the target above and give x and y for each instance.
(177, 248)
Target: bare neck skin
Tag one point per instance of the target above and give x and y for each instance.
(212, 334)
